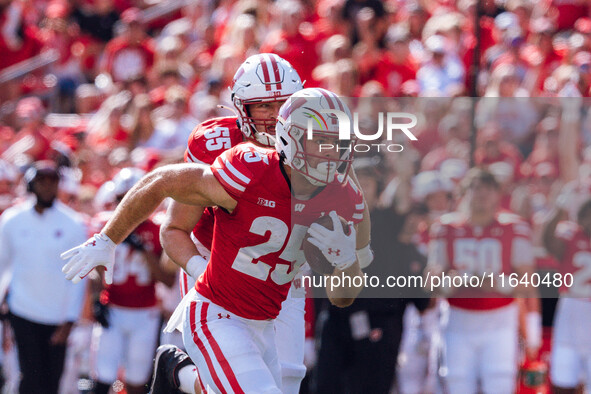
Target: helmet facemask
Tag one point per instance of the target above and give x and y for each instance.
(312, 157)
(263, 78)
(261, 130)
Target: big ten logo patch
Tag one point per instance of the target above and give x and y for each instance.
(266, 203)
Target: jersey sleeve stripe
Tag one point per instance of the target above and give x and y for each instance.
(194, 159)
(360, 206)
(358, 216)
(229, 182)
(353, 185)
(236, 173)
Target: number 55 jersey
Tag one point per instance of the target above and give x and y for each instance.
(256, 249)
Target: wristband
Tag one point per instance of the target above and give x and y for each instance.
(364, 256)
(195, 266)
(533, 330)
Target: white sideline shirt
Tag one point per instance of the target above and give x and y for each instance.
(30, 248)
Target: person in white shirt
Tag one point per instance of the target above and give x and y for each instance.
(43, 305)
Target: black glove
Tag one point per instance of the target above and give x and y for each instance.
(100, 312)
(135, 241)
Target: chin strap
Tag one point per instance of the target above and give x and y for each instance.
(260, 135)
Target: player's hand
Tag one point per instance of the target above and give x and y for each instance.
(336, 246)
(98, 250)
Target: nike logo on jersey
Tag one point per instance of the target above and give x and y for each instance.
(266, 203)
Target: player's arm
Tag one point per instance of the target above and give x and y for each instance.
(364, 252)
(437, 266)
(523, 263)
(186, 183)
(570, 129)
(530, 321)
(175, 237)
(158, 270)
(554, 245)
(343, 296)
(338, 247)
(167, 264)
(437, 263)
(190, 184)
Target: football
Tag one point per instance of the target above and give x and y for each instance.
(314, 256)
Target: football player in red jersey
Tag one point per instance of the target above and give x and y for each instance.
(127, 309)
(261, 84)
(482, 333)
(259, 88)
(568, 242)
(256, 250)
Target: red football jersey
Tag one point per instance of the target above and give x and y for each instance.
(133, 285)
(576, 259)
(207, 141)
(256, 249)
(477, 250)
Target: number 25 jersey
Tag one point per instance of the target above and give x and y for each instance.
(256, 249)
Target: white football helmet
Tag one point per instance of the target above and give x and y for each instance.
(110, 193)
(125, 179)
(265, 77)
(302, 115)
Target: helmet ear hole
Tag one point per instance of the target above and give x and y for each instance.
(283, 141)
